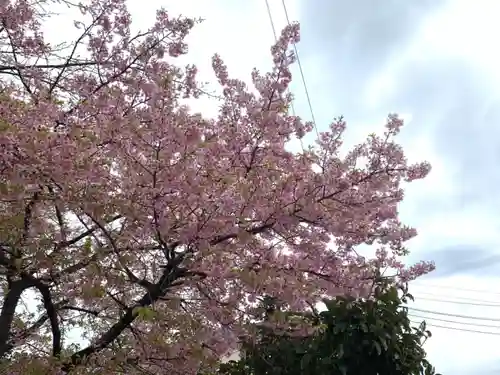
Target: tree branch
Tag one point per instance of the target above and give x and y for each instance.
(10, 303)
(259, 229)
(20, 337)
(28, 216)
(82, 235)
(81, 309)
(170, 274)
(67, 64)
(16, 67)
(52, 315)
(59, 214)
(47, 66)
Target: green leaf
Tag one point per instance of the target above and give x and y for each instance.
(87, 246)
(4, 126)
(144, 313)
(392, 295)
(357, 337)
(97, 291)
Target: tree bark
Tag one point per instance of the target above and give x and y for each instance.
(8, 309)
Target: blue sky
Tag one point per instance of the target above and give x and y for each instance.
(436, 63)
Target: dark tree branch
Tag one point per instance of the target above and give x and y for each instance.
(28, 216)
(117, 301)
(68, 64)
(142, 282)
(59, 214)
(81, 309)
(116, 75)
(22, 336)
(170, 274)
(52, 315)
(11, 300)
(82, 235)
(47, 66)
(10, 303)
(16, 68)
(75, 267)
(168, 251)
(256, 230)
(134, 279)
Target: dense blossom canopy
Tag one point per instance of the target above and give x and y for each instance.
(148, 230)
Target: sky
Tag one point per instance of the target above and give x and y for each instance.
(435, 63)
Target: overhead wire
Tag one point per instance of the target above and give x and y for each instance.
(453, 321)
(455, 297)
(461, 329)
(460, 302)
(464, 325)
(453, 315)
(483, 302)
(301, 70)
(424, 285)
(270, 15)
(476, 303)
(308, 97)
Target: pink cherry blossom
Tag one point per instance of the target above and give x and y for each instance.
(152, 230)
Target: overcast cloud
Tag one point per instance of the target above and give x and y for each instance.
(433, 61)
(436, 63)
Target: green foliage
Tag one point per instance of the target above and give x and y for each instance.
(353, 337)
(145, 313)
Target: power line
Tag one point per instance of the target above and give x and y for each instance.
(453, 321)
(300, 70)
(455, 288)
(454, 315)
(271, 19)
(460, 302)
(269, 13)
(462, 329)
(455, 297)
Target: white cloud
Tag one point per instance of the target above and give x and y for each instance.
(467, 31)
(464, 31)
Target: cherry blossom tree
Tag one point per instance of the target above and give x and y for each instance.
(149, 230)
